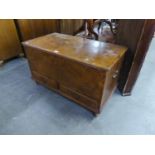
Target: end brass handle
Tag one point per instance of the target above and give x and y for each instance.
(115, 74)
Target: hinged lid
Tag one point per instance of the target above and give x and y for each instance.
(96, 53)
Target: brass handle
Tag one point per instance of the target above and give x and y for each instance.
(115, 74)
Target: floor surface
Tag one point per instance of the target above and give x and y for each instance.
(27, 108)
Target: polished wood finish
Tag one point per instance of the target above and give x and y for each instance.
(31, 28)
(83, 70)
(9, 41)
(136, 34)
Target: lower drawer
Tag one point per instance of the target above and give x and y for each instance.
(45, 81)
(81, 99)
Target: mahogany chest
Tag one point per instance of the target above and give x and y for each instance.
(83, 70)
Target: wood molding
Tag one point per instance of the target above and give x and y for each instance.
(142, 49)
(135, 34)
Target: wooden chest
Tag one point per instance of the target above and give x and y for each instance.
(83, 70)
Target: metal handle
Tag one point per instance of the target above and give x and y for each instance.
(115, 74)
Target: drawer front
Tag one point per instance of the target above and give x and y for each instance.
(76, 76)
(69, 93)
(79, 98)
(50, 83)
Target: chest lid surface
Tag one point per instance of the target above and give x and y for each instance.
(95, 53)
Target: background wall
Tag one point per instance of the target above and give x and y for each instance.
(70, 26)
(31, 28)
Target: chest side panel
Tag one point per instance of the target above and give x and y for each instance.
(111, 81)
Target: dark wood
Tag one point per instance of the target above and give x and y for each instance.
(83, 70)
(9, 42)
(143, 43)
(128, 34)
(31, 28)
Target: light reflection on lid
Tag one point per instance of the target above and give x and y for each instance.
(55, 51)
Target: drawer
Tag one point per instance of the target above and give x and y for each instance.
(44, 80)
(69, 93)
(79, 98)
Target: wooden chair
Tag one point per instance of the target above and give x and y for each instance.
(89, 25)
(88, 28)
